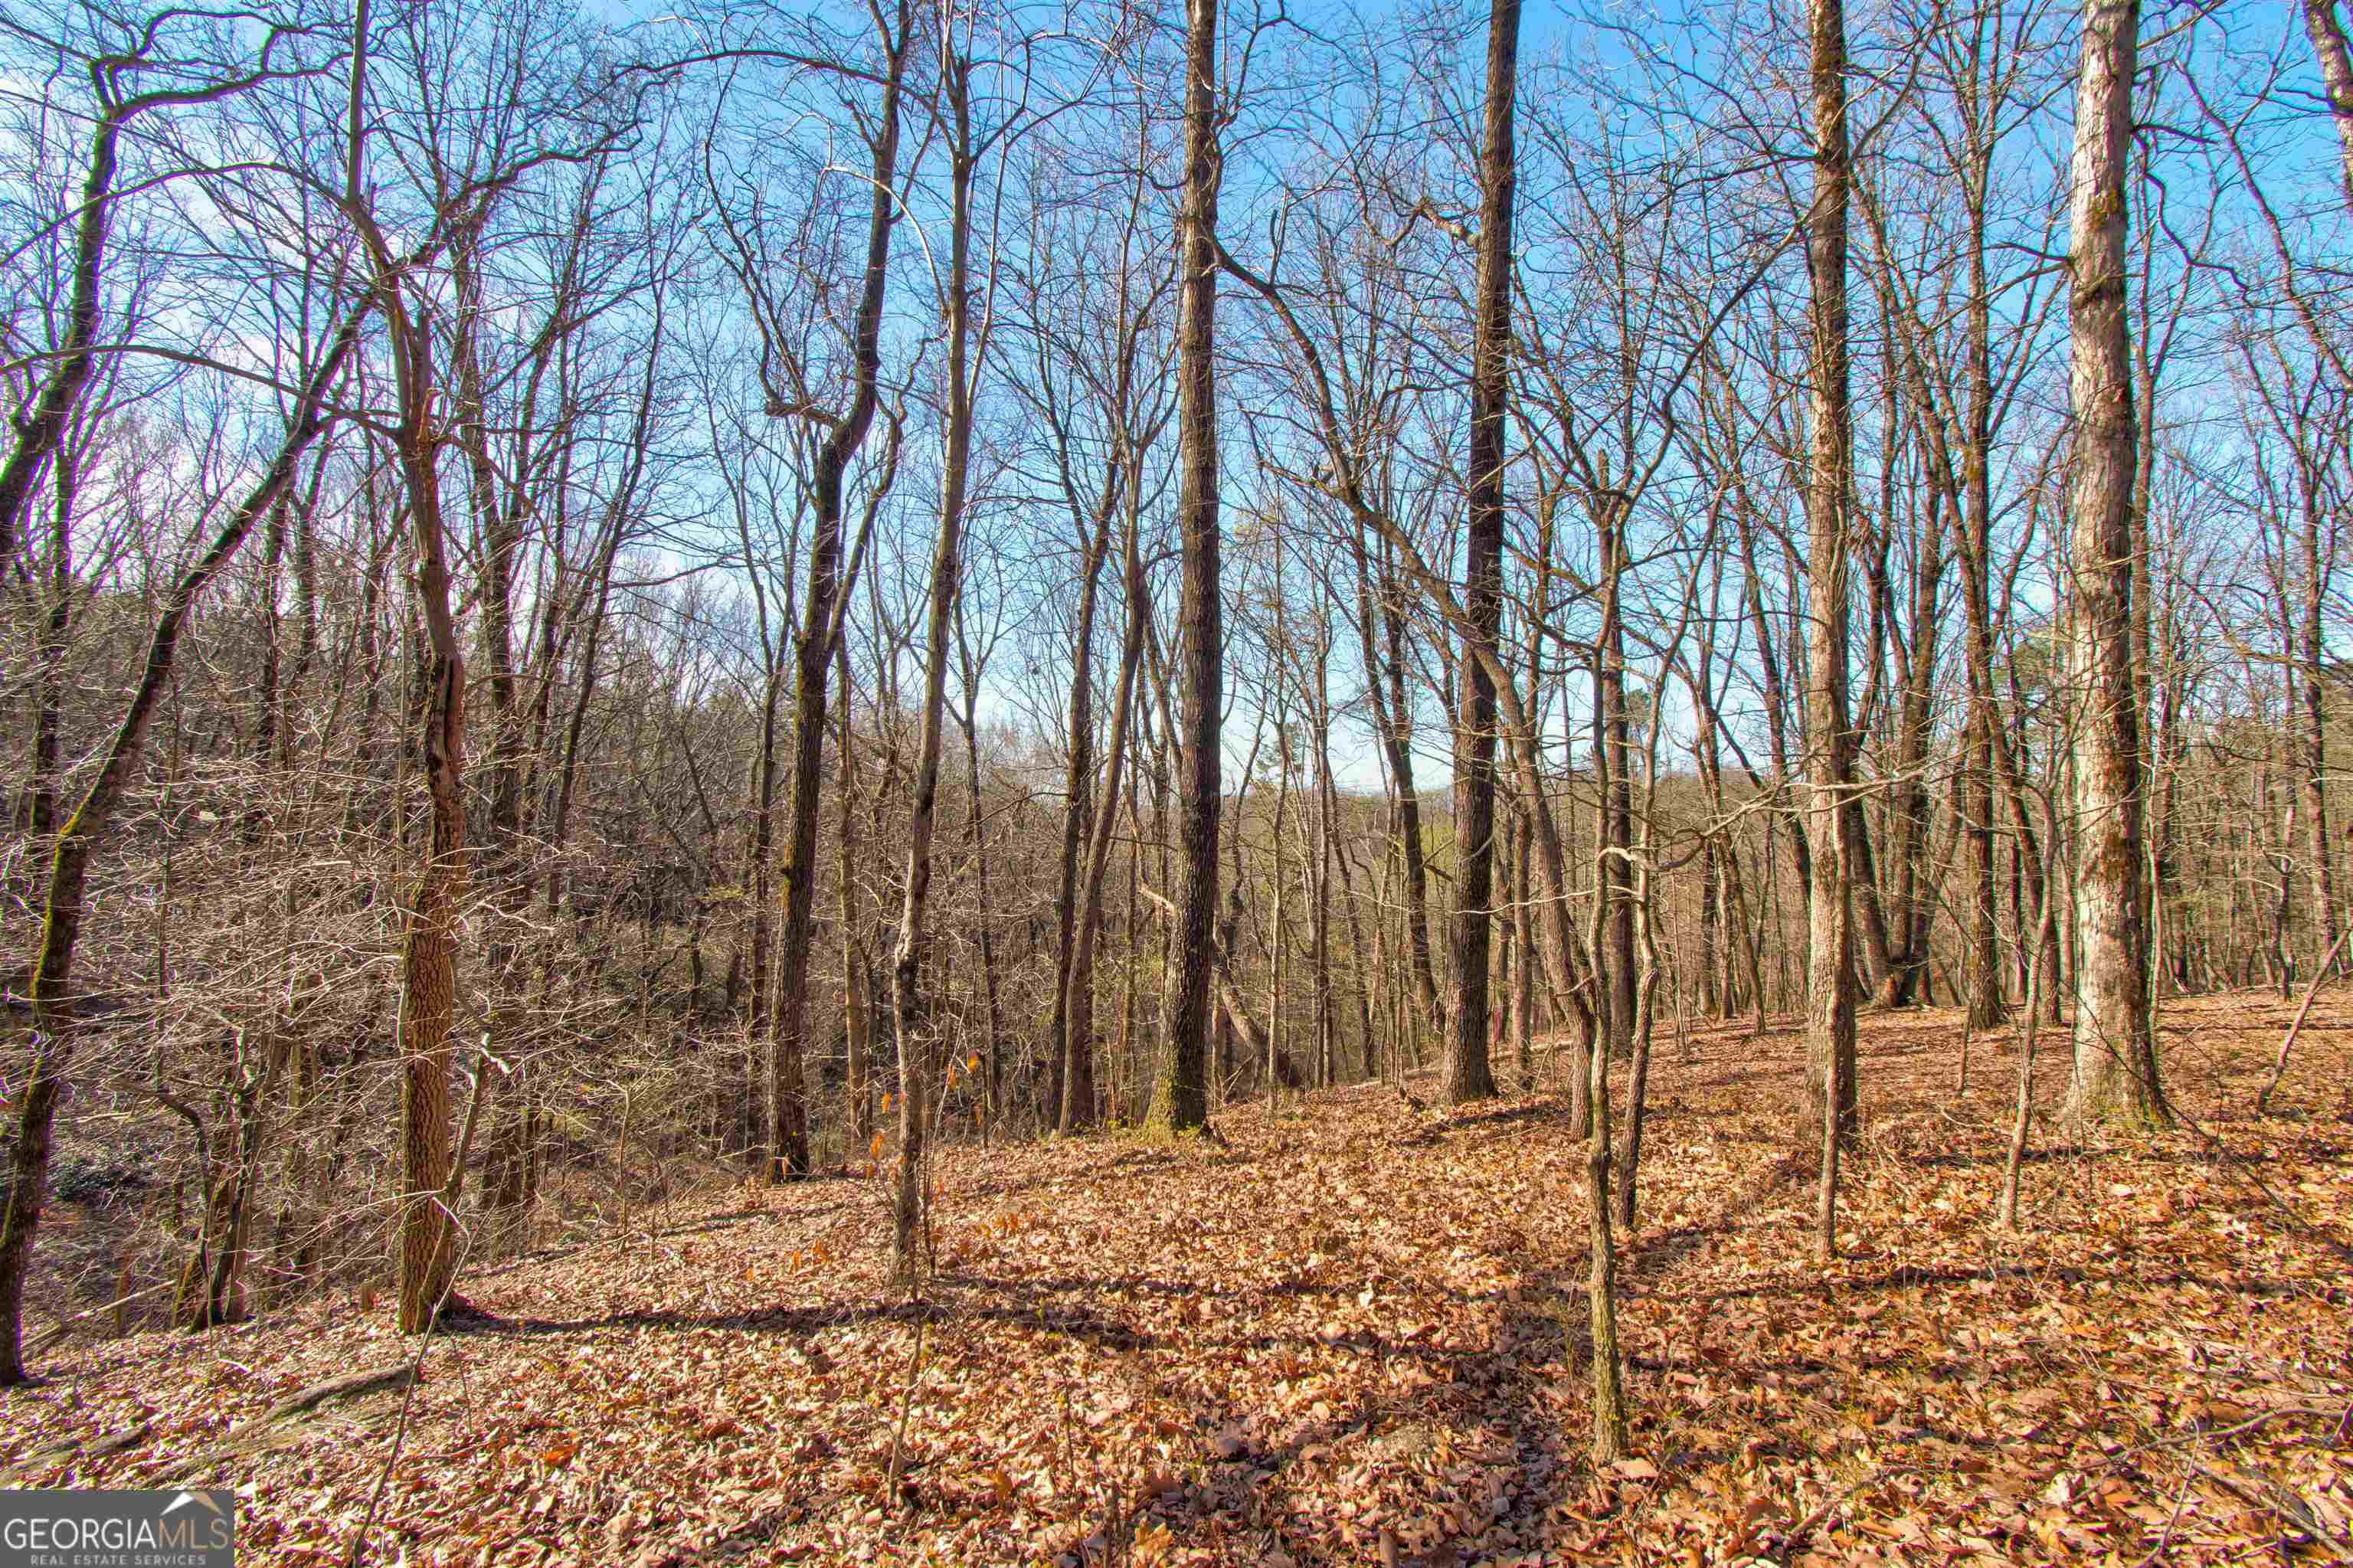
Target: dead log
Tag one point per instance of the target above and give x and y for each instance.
(272, 1429)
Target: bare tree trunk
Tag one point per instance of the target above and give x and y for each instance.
(1609, 1415)
(499, 535)
(1470, 1074)
(2328, 47)
(1523, 947)
(1646, 995)
(2114, 1049)
(760, 858)
(1181, 1101)
(820, 624)
(1319, 702)
(1988, 1002)
(1078, 982)
(1830, 761)
(1078, 805)
(857, 1010)
(1384, 689)
(946, 571)
(2022, 1114)
(429, 995)
(1613, 773)
(992, 1048)
(2311, 660)
(1915, 894)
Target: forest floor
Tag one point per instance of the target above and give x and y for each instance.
(1342, 1341)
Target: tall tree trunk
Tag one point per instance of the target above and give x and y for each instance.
(1181, 1101)
(820, 624)
(2115, 1048)
(1470, 1074)
(1988, 1003)
(428, 996)
(915, 1046)
(499, 535)
(1914, 894)
(1319, 710)
(759, 861)
(1830, 742)
(1614, 873)
(2311, 658)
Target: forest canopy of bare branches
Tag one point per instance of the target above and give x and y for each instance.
(604, 604)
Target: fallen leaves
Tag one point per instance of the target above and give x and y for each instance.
(1356, 1337)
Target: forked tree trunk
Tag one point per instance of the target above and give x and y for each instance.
(947, 567)
(1078, 983)
(1078, 804)
(428, 997)
(820, 624)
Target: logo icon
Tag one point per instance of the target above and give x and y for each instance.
(181, 1528)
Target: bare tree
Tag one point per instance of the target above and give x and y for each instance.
(1469, 1074)
(1829, 737)
(1181, 1098)
(114, 77)
(54, 1024)
(2115, 1049)
(821, 614)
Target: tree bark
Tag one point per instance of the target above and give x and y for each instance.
(428, 996)
(1470, 1074)
(1829, 741)
(1384, 689)
(2115, 1048)
(1078, 981)
(2327, 32)
(1078, 800)
(1181, 1101)
(947, 571)
(820, 624)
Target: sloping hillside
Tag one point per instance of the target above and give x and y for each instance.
(1341, 1341)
